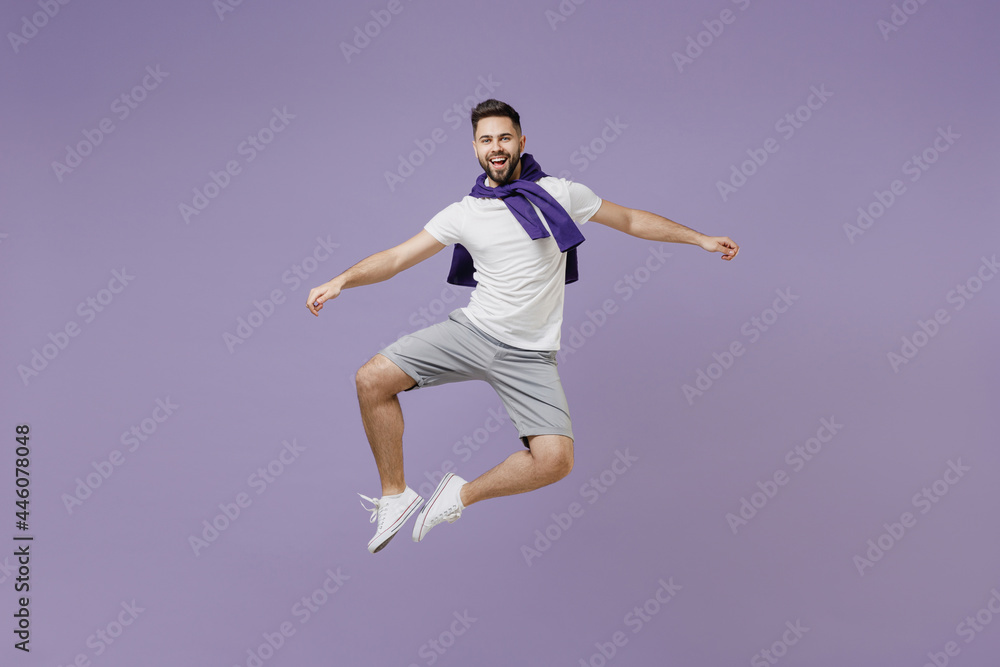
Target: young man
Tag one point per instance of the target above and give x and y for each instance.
(509, 333)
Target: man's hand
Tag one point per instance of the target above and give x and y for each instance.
(722, 244)
(317, 295)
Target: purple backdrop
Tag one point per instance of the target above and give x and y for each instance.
(784, 459)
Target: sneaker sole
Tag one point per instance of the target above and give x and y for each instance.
(421, 518)
(398, 523)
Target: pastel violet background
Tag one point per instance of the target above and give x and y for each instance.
(346, 120)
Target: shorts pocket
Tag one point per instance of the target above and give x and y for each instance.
(547, 355)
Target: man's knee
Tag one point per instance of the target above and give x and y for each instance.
(380, 376)
(554, 453)
(365, 378)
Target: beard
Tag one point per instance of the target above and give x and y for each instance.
(505, 174)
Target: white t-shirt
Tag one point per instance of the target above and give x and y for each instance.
(521, 282)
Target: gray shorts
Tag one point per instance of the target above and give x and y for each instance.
(455, 350)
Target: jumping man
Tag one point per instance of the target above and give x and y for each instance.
(515, 238)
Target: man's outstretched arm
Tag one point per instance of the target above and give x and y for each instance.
(646, 225)
(376, 268)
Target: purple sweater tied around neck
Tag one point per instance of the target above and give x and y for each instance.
(518, 196)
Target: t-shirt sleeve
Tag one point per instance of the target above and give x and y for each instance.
(583, 202)
(446, 226)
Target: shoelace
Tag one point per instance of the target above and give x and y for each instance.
(450, 515)
(374, 510)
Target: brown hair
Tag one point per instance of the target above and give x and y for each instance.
(492, 107)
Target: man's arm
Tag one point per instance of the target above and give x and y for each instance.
(376, 268)
(652, 227)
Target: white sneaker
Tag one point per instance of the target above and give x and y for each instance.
(391, 514)
(444, 505)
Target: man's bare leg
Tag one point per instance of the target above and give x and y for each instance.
(549, 459)
(378, 382)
